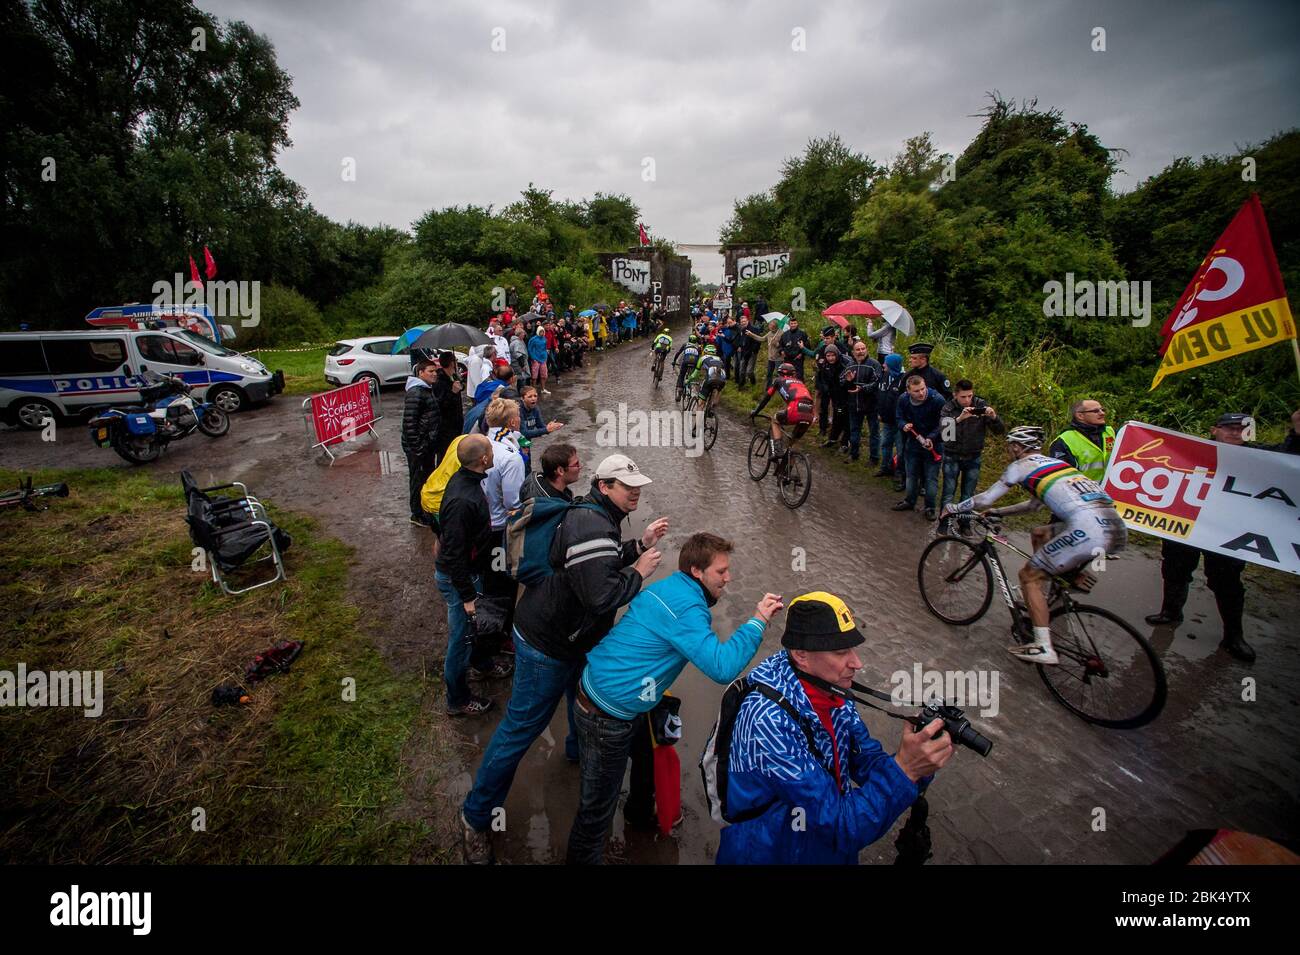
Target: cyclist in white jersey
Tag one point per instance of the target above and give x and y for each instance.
(1086, 526)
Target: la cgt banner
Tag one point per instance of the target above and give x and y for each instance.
(1224, 498)
(1235, 303)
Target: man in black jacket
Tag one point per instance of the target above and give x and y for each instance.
(860, 378)
(966, 419)
(464, 556)
(557, 621)
(447, 388)
(421, 422)
(795, 346)
(919, 357)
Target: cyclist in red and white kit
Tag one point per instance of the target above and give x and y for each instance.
(1086, 525)
(797, 413)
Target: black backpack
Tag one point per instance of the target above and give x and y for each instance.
(717, 751)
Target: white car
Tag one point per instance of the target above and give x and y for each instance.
(352, 359)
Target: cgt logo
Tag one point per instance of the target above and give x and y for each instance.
(1161, 480)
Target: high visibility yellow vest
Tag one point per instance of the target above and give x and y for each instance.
(1089, 458)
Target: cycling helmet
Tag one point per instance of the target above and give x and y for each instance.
(1027, 436)
(786, 370)
(710, 350)
(694, 339)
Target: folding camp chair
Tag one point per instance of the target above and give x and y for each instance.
(231, 529)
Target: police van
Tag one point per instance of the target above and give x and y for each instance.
(75, 372)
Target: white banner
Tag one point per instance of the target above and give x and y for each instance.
(1232, 500)
(632, 274)
(757, 266)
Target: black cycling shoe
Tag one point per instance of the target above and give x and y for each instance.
(905, 506)
(1163, 618)
(929, 513)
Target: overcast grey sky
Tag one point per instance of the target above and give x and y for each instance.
(717, 97)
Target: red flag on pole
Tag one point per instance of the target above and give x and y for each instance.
(1235, 303)
(209, 264)
(645, 239)
(194, 272)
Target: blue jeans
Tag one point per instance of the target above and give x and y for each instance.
(460, 642)
(540, 683)
(921, 462)
(891, 441)
(606, 745)
(970, 476)
(855, 432)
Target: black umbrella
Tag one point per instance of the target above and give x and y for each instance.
(448, 336)
(601, 307)
(529, 317)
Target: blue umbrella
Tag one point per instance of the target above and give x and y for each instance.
(587, 313)
(407, 337)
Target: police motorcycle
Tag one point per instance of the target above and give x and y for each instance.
(167, 413)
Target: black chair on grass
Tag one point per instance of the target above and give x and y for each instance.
(231, 529)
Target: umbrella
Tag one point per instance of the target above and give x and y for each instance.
(851, 306)
(529, 317)
(587, 313)
(408, 336)
(601, 307)
(839, 320)
(448, 336)
(896, 315)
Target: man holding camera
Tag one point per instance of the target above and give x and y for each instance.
(820, 806)
(966, 420)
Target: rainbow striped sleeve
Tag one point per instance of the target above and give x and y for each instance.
(1040, 479)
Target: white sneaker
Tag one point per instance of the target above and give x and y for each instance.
(1040, 653)
(545, 392)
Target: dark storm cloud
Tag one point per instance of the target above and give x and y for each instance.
(716, 96)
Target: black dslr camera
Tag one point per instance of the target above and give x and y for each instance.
(955, 722)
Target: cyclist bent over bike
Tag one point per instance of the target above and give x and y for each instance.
(712, 375)
(662, 345)
(1085, 522)
(798, 410)
(688, 355)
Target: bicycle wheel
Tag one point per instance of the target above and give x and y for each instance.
(1108, 674)
(797, 480)
(759, 460)
(679, 394)
(710, 428)
(955, 580)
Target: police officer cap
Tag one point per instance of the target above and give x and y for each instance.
(820, 621)
(920, 348)
(1233, 419)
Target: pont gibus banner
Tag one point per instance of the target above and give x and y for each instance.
(1229, 499)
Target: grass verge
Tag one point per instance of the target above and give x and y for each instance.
(103, 581)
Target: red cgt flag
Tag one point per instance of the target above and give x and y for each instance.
(645, 239)
(1235, 303)
(194, 272)
(209, 264)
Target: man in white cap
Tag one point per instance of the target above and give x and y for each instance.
(556, 622)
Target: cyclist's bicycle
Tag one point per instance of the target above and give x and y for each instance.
(29, 498)
(700, 413)
(794, 481)
(1108, 675)
(659, 367)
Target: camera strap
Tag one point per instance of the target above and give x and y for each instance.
(853, 697)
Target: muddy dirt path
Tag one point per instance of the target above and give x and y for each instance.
(1210, 760)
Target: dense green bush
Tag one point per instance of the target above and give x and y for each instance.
(287, 317)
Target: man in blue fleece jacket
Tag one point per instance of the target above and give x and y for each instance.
(920, 413)
(666, 625)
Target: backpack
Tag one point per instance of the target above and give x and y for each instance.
(716, 758)
(530, 531)
(436, 485)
